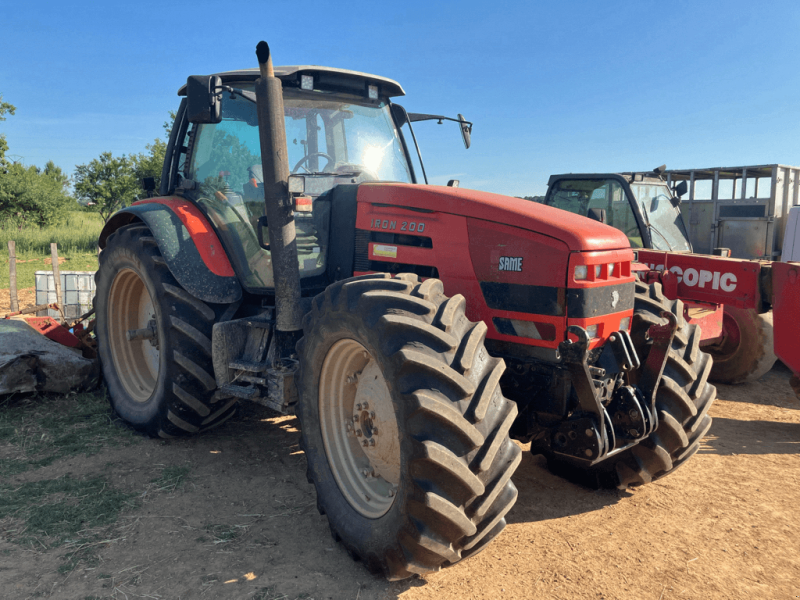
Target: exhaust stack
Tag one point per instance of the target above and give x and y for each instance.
(280, 220)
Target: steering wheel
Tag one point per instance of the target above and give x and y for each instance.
(308, 157)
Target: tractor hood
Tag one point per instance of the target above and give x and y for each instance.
(580, 234)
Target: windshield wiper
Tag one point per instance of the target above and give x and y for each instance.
(353, 173)
(651, 228)
(237, 92)
(329, 174)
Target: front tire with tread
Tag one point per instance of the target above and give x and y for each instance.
(455, 455)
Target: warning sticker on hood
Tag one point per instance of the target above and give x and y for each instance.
(387, 251)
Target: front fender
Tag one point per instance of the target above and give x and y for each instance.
(188, 243)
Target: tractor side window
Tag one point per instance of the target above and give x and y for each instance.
(226, 166)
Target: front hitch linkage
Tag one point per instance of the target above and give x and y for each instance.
(596, 435)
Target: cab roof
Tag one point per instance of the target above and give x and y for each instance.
(328, 78)
(630, 177)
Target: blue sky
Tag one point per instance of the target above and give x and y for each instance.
(552, 87)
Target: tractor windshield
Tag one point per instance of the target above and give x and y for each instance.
(331, 139)
(667, 231)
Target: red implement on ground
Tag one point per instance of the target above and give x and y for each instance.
(76, 335)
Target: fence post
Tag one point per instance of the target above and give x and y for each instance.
(12, 275)
(57, 277)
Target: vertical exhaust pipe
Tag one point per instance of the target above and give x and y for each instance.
(280, 220)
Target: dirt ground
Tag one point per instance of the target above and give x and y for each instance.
(244, 523)
(25, 297)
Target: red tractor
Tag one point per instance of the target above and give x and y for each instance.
(292, 258)
(747, 309)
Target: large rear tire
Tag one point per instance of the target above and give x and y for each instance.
(682, 401)
(403, 424)
(746, 352)
(161, 383)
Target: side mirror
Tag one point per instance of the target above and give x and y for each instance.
(597, 214)
(400, 115)
(261, 225)
(681, 188)
(203, 99)
(149, 185)
(466, 130)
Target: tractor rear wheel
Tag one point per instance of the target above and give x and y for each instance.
(154, 341)
(746, 352)
(403, 424)
(682, 402)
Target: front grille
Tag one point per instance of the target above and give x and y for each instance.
(361, 258)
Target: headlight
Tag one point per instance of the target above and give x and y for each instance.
(625, 324)
(591, 331)
(581, 272)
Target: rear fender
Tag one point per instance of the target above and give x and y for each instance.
(188, 243)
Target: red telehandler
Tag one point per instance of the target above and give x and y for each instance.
(747, 309)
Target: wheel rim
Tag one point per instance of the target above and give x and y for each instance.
(731, 340)
(359, 428)
(136, 362)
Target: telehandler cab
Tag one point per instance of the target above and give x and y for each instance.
(293, 259)
(747, 306)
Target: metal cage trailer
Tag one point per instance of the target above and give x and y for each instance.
(744, 209)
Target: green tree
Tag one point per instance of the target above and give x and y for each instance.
(108, 183)
(150, 163)
(5, 107)
(28, 197)
(56, 174)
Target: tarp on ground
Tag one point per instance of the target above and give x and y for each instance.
(30, 362)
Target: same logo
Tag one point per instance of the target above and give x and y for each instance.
(510, 263)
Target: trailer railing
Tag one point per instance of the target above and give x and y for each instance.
(744, 209)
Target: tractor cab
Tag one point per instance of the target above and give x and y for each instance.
(640, 205)
(341, 129)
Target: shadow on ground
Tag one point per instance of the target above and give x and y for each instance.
(730, 437)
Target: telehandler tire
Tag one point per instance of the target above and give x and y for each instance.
(795, 383)
(747, 351)
(403, 424)
(682, 401)
(162, 382)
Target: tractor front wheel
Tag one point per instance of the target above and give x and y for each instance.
(403, 424)
(154, 341)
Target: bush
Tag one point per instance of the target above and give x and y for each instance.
(28, 197)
